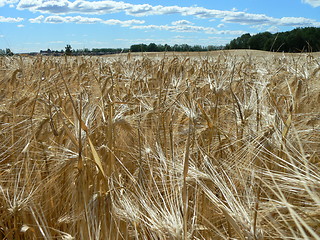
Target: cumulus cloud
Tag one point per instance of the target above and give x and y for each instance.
(37, 19)
(126, 23)
(68, 19)
(182, 22)
(10, 19)
(313, 3)
(247, 18)
(141, 10)
(20, 26)
(262, 19)
(78, 6)
(51, 6)
(83, 20)
(273, 29)
(177, 28)
(5, 2)
(187, 28)
(297, 22)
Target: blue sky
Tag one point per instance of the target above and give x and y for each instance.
(31, 25)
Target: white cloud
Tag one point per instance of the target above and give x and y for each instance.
(139, 10)
(126, 23)
(260, 28)
(85, 20)
(78, 6)
(37, 19)
(247, 18)
(5, 2)
(10, 19)
(313, 3)
(142, 40)
(273, 29)
(29, 4)
(187, 28)
(142, 10)
(262, 19)
(297, 22)
(182, 22)
(20, 26)
(68, 19)
(221, 25)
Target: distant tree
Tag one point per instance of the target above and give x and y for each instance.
(258, 41)
(135, 48)
(176, 48)
(138, 47)
(152, 47)
(214, 48)
(244, 41)
(211, 48)
(2, 52)
(160, 48)
(167, 48)
(240, 42)
(68, 51)
(185, 47)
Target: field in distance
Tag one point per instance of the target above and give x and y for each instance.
(210, 145)
(239, 52)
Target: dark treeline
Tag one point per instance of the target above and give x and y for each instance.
(152, 47)
(297, 40)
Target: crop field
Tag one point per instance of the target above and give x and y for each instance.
(221, 145)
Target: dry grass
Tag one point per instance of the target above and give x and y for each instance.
(221, 146)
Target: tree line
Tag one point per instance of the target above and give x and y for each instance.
(152, 47)
(296, 40)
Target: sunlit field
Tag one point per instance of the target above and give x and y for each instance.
(221, 145)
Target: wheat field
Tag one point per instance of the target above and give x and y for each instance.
(161, 146)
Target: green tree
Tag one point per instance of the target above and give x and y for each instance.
(197, 48)
(152, 47)
(138, 47)
(68, 50)
(240, 42)
(258, 41)
(167, 48)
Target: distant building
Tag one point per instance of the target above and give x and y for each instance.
(46, 53)
(51, 53)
